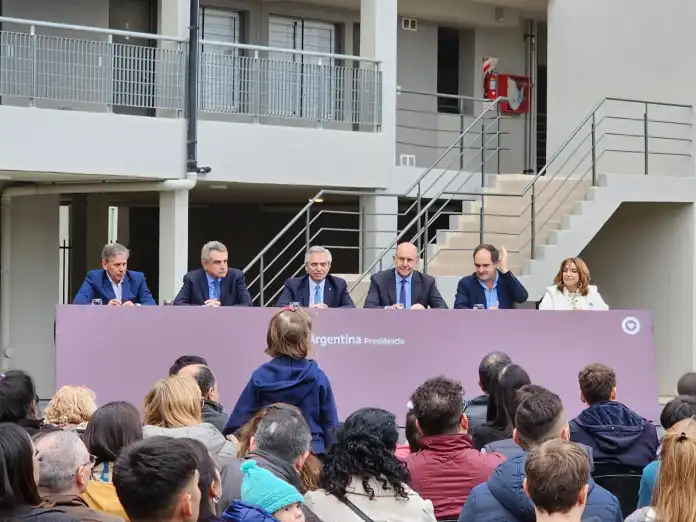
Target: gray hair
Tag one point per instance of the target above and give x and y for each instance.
(285, 434)
(317, 250)
(63, 452)
(112, 250)
(211, 246)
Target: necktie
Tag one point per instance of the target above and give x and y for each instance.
(317, 294)
(402, 293)
(217, 289)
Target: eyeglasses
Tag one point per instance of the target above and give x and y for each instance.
(92, 461)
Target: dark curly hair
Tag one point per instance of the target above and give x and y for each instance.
(438, 404)
(364, 449)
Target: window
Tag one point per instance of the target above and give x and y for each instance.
(297, 85)
(220, 86)
(448, 69)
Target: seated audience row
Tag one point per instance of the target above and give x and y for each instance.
(491, 286)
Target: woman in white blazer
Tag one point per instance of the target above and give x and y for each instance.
(572, 290)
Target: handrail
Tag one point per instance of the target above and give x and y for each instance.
(96, 30)
(400, 90)
(266, 49)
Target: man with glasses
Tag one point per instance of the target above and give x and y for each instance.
(65, 467)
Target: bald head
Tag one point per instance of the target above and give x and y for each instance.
(190, 371)
(405, 259)
(65, 464)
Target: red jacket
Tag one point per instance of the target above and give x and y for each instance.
(447, 468)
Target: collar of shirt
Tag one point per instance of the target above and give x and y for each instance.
(313, 284)
(399, 278)
(115, 284)
(495, 282)
(211, 279)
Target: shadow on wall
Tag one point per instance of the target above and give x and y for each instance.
(643, 258)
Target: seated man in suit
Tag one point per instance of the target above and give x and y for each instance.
(492, 286)
(317, 289)
(114, 284)
(403, 287)
(215, 284)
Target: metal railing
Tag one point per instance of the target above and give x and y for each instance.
(99, 69)
(283, 256)
(617, 136)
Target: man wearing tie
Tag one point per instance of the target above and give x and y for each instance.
(114, 284)
(215, 284)
(317, 289)
(403, 287)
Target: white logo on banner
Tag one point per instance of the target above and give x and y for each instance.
(630, 325)
(344, 339)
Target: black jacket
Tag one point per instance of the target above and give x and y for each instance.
(476, 412)
(30, 514)
(382, 290)
(195, 289)
(511, 449)
(213, 414)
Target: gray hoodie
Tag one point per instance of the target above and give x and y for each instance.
(646, 514)
(218, 446)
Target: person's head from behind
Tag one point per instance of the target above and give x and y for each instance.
(18, 399)
(19, 469)
(539, 417)
(112, 427)
(184, 361)
(490, 368)
(157, 479)
(687, 384)
(209, 481)
(504, 396)
(263, 489)
(673, 496)
(438, 405)
(174, 402)
(364, 448)
(678, 409)
(207, 383)
(66, 465)
(284, 434)
(247, 432)
(412, 433)
(556, 475)
(289, 334)
(70, 406)
(597, 384)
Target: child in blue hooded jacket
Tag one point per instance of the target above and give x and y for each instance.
(290, 378)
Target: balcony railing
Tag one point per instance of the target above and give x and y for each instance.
(55, 65)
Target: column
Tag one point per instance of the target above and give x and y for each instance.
(379, 22)
(378, 229)
(78, 241)
(173, 17)
(173, 242)
(97, 228)
(173, 21)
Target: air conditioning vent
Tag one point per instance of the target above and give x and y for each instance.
(409, 24)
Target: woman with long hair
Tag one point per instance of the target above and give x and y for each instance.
(571, 289)
(502, 405)
(209, 483)
(18, 400)
(674, 498)
(19, 478)
(173, 409)
(71, 407)
(111, 428)
(362, 477)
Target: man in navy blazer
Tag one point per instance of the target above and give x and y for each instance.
(215, 284)
(492, 286)
(114, 284)
(403, 287)
(317, 289)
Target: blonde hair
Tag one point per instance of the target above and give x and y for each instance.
(174, 402)
(674, 498)
(289, 334)
(583, 275)
(70, 406)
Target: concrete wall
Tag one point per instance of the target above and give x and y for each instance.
(641, 236)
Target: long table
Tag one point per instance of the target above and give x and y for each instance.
(372, 357)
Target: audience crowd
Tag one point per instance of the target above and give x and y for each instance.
(511, 454)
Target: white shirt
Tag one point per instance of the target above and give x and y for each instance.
(118, 288)
(555, 299)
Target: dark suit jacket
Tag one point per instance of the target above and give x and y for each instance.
(383, 290)
(470, 292)
(97, 285)
(194, 291)
(296, 290)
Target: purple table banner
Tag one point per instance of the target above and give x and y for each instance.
(372, 357)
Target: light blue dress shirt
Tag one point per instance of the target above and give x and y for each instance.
(491, 294)
(316, 296)
(213, 287)
(408, 280)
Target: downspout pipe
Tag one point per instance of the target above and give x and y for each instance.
(9, 193)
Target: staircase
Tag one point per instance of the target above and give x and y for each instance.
(543, 218)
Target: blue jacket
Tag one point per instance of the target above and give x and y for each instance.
(296, 290)
(470, 292)
(510, 449)
(299, 382)
(97, 285)
(241, 512)
(647, 484)
(502, 498)
(616, 434)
